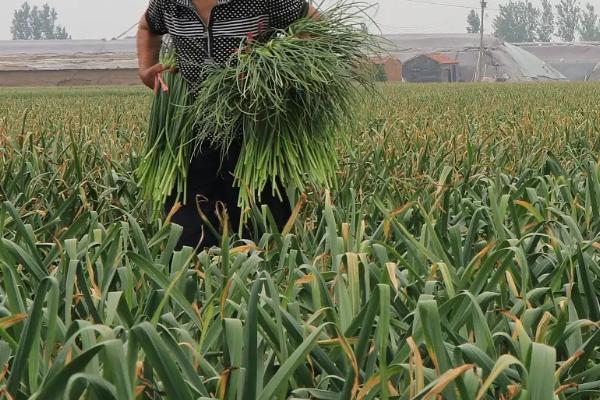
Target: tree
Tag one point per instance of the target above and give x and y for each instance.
(546, 24)
(568, 19)
(517, 22)
(533, 22)
(34, 23)
(473, 22)
(21, 27)
(588, 27)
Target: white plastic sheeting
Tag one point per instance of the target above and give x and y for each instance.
(531, 66)
(501, 61)
(576, 61)
(67, 54)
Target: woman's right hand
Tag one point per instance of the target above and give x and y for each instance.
(148, 75)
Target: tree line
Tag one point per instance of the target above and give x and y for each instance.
(36, 23)
(520, 21)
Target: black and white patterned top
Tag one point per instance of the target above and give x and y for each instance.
(231, 22)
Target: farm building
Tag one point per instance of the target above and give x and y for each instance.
(500, 62)
(68, 63)
(433, 67)
(577, 61)
(387, 69)
(100, 62)
(95, 62)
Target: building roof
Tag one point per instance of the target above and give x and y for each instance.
(440, 58)
(500, 58)
(531, 66)
(407, 46)
(36, 47)
(576, 61)
(47, 55)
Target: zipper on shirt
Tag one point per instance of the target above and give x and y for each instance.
(207, 29)
(209, 38)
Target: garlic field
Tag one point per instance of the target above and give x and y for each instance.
(456, 256)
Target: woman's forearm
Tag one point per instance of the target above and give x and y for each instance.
(148, 51)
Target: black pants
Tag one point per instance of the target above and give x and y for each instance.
(210, 182)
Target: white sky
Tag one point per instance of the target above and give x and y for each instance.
(96, 19)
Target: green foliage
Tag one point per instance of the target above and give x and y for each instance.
(473, 22)
(456, 255)
(284, 99)
(21, 25)
(567, 13)
(33, 23)
(546, 26)
(168, 148)
(589, 29)
(518, 21)
(379, 74)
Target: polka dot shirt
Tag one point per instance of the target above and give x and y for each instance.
(232, 21)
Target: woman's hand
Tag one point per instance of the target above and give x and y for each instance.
(148, 75)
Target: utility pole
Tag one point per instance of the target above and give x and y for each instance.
(480, 57)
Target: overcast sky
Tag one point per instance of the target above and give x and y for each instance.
(96, 19)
